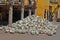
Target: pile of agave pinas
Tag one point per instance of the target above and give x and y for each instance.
(32, 25)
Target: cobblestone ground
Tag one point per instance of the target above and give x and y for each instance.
(16, 36)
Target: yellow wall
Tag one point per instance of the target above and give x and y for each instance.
(41, 5)
(59, 1)
(53, 6)
(26, 2)
(54, 10)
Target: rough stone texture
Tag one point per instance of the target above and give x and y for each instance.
(32, 25)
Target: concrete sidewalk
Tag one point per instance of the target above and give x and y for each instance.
(16, 36)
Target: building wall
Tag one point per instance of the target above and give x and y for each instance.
(41, 6)
(59, 13)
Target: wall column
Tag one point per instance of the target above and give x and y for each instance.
(30, 12)
(22, 9)
(10, 16)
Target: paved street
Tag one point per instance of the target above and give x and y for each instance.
(16, 36)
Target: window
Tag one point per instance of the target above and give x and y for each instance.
(53, 1)
(3, 1)
(15, 1)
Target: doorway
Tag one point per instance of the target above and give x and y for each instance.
(58, 17)
(16, 15)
